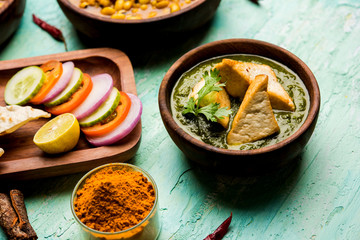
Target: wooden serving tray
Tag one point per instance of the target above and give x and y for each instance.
(24, 160)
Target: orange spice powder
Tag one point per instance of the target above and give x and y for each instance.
(113, 200)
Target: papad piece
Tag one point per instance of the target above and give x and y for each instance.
(255, 118)
(13, 117)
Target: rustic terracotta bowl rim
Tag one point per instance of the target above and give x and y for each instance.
(165, 109)
(88, 174)
(6, 5)
(94, 16)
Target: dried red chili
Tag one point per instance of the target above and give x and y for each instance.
(53, 31)
(220, 232)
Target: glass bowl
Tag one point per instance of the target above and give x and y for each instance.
(147, 229)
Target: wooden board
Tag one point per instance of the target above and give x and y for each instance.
(24, 160)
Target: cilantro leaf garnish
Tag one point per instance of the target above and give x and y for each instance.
(212, 112)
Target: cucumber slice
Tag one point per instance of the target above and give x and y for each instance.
(105, 110)
(71, 88)
(24, 85)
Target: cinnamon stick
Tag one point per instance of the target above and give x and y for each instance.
(17, 200)
(13, 217)
(9, 219)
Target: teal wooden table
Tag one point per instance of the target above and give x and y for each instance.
(317, 198)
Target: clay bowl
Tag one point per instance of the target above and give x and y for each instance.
(101, 27)
(261, 160)
(10, 16)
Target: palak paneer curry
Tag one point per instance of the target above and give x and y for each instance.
(240, 102)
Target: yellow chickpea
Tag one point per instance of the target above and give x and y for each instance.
(118, 16)
(143, 7)
(105, 3)
(84, 4)
(174, 7)
(119, 5)
(144, 1)
(127, 5)
(162, 4)
(108, 11)
(187, 1)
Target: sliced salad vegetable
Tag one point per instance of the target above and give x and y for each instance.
(24, 85)
(61, 84)
(105, 114)
(104, 111)
(112, 121)
(74, 84)
(76, 99)
(53, 70)
(122, 130)
(102, 86)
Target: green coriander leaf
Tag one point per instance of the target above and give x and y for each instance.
(211, 83)
(212, 112)
(221, 112)
(190, 107)
(209, 111)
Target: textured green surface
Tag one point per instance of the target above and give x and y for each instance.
(318, 199)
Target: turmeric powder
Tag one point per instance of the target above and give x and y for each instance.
(113, 200)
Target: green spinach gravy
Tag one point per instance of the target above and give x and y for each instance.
(213, 133)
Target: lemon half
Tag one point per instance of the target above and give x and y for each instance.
(60, 134)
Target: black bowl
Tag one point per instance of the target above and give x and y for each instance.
(102, 27)
(10, 17)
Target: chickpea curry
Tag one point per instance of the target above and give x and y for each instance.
(132, 9)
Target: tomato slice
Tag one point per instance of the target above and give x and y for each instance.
(113, 120)
(76, 99)
(53, 70)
